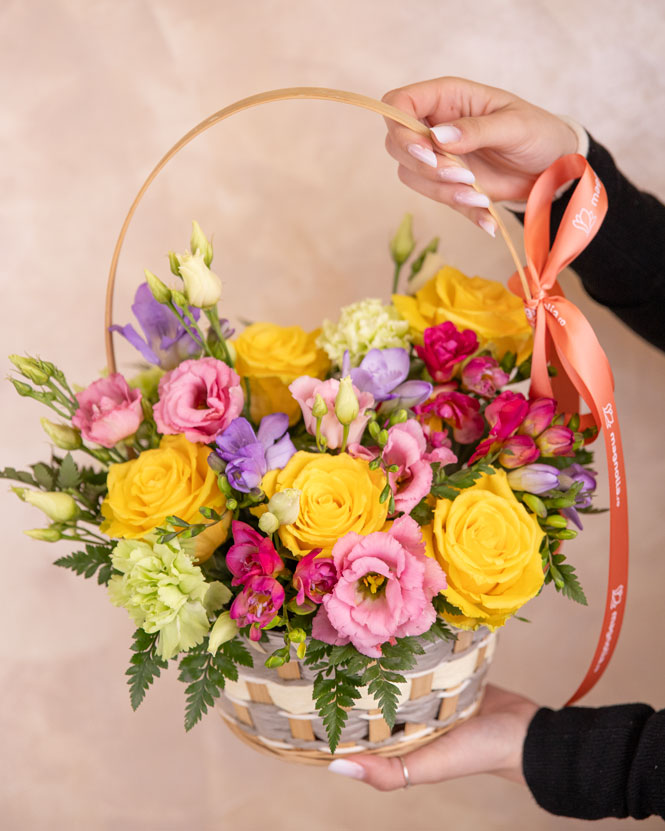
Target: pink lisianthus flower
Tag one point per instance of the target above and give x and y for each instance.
(517, 451)
(407, 448)
(484, 376)
(384, 591)
(251, 555)
(108, 411)
(556, 441)
(199, 398)
(257, 604)
(444, 346)
(314, 577)
(305, 389)
(457, 410)
(539, 417)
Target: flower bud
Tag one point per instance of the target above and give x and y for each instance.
(60, 507)
(62, 435)
(540, 415)
(403, 243)
(268, 522)
(556, 441)
(346, 402)
(301, 650)
(179, 298)
(285, 505)
(174, 264)
(534, 478)
(44, 534)
(398, 417)
(297, 635)
(218, 464)
(224, 629)
(21, 388)
(536, 505)
(202, 286)
(556, 521)
(199, 243)
(518, 451)
(31, 368)
(320, 408)
(160, 291)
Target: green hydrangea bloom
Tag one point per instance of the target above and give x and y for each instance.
(362, 326)
(163, 591)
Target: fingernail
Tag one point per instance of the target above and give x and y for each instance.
(446, 134)
(457, 175)
(423, 154)
(488, 225)
(346, 768)
(473, 198)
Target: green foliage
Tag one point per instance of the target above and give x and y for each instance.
(206, 675)
(448, 487)
(562, 574)
(68, 474)
(18, 476)
(442, 604)
(422, 513)
(381, 684)
(96, 559)
(332, 696)
(145, 665)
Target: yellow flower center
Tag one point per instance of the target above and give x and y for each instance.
(373, 582)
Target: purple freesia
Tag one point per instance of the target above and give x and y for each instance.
(249, 455)
(567, 478)
(383, 373)
(166, 341)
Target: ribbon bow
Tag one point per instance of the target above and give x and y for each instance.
(563, 334)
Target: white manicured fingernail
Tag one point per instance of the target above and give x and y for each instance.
(423, 154)
(488, 225)
(472, 198)
(346, 768)
(446, 134)
(457, 175)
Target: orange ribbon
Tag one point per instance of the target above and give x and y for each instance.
(558, 323)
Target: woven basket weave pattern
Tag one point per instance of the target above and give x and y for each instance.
(274, 708)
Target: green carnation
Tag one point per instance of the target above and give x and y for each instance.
(163, 591)
(362, 326)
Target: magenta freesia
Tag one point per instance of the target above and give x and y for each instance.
(556, 441)
(504, 415)
(257, 604)
(459, 411)
(517, 451)
(109, 411)
(384, 590)
(199, 398)
(251, 555)
(314, 577)
(305, 389)
(444, 347)
(540, 415)
(483, 375)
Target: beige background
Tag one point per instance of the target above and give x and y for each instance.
(301, 199)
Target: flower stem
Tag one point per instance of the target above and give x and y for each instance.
(398, 268)
(345, 437)
(213, 317)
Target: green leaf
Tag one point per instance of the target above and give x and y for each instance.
(89, 561)
(422, 513)
(439, 630)
(331, 697)
(444, 492)
(68, 475)
(571, 585)
(18, 476)
(43, 475)
(442, 604)
(382, 685)
(145, 666)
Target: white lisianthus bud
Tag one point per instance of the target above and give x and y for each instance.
(33, 369)
(225, 629)
(60, 507)
(346, 402)
(403, 243)
(320, 407)
(285, 505)
(44, 534)
(202, 286)
(160, 291)
(268, 522)
(62, 435)
(200, 243)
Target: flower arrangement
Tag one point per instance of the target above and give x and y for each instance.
(360, 488)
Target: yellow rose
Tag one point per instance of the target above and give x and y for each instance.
(272, 357)
(172, 479)
(487, 543)
(494, 313)
(338, 494)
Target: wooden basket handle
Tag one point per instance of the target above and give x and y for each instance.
(309, 93)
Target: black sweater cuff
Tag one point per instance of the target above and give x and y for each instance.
(593, 763)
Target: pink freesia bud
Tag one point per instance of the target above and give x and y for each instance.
(556, 441)
(305, 390)
(540, 415)
(257, 604)
(251, 555)
(314, 577)
(108, 411)
(518, 451)
(484, 376)
(444, 346)
(506, 413)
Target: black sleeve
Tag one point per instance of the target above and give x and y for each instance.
(623, 267)
(597, 762)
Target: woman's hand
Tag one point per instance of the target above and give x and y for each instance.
(505, 142)
(490, 742)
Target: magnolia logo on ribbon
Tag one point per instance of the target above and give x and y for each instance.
(608, 412)
(617, 597)
(585, 221)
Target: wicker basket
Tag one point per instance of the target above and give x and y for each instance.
(272, 710)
